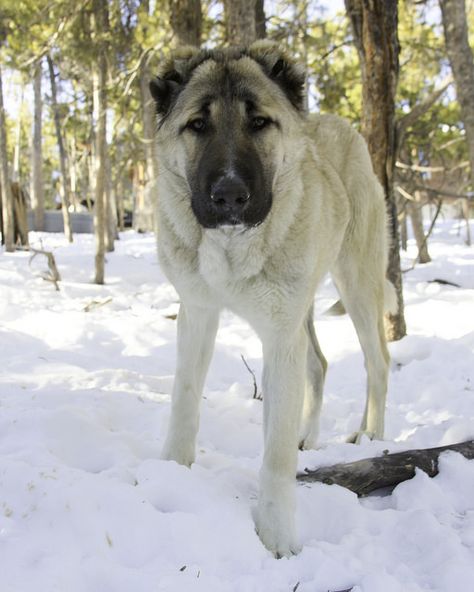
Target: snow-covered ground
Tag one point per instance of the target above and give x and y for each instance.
(86, 504)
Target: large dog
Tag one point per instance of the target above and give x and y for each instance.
(257, 201)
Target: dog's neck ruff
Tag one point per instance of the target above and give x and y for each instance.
(227, 255)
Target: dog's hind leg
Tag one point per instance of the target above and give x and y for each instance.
(197, 328)
(316, 372)
(363, 297)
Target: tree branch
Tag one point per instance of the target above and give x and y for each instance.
(442, 192)
(422, 107)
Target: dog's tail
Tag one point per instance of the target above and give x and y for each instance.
(390, 302)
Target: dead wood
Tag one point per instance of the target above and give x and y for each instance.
(53, 275)
(255, 388)
(370, 474)
(444, 282)
(93, 304)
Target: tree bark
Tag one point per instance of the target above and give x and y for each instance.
(370, 474)
(240, 19)
(99, 79)
(17, 148)
(260, 20)
(37, 187)
(143, 219)
(374, 26)
(6, 193)
(416, 216)
(65, 194)
(20, 215)
(111, 206)
(186, 21)
(402, 221)
(461, 59)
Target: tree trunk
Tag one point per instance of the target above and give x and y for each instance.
(370, 474)
(20, 215)
(118, 193)
(111, 208)
(99, 79)
(37, 187)
(240, 19)
(186, 21)
(143, 218)
(260, 20)
(73, 172)
(65, 194)
(138, 194)
(462, 65)
(416, 216)
(402, 221)
(6, 193)
(17, 149)
(375, 34)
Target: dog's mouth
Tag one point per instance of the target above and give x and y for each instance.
(250, 217)
(234, 228)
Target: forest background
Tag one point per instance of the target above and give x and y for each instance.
(77, 120)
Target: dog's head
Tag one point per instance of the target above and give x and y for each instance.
(224, 118)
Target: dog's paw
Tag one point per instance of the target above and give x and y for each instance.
(274, 524)
(357, 437)
(280, 543)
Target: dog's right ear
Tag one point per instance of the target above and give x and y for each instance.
(173, 75)
(164, 91)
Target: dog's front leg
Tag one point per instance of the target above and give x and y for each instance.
(283, 391)
(197, 329)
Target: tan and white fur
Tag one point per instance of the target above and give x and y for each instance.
(327, 215)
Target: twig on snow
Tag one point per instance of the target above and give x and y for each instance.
(53, 275)
(255, 388)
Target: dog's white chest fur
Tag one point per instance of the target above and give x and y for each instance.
(227, 255)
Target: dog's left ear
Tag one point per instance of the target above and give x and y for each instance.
(280, 68)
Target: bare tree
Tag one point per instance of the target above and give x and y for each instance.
(375, 34)
(260, 20)
(37, 188)
(240, 18)
(99, 18)
(6, 194)
(65, 197)
(186, 21)
(462, 65)
(17, 146)
(143, 219)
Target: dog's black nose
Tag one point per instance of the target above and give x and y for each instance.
(230, 194)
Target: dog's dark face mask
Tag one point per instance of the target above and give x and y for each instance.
(230, 185)
(228, 138)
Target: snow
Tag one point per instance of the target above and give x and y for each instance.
(86, 504)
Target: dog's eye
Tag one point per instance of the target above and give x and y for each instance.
(258, 123)
(197, 125)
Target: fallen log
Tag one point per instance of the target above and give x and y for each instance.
(369, 474)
